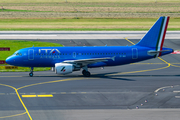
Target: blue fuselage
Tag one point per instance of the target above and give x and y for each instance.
(49, 56)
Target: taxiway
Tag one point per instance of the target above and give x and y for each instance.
(140, 91)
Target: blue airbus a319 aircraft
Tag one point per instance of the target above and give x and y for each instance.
(65, 60)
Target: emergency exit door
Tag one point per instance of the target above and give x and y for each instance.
(134, 53)
(31, 54)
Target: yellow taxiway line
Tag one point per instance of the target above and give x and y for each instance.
(13, 115)
(17, 93)
(48, 95)
(37, 95)
(168, 65)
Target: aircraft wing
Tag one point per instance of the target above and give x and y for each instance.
(85, 62)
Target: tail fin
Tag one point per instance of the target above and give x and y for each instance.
(155, 36)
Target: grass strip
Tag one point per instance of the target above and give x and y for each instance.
(13, 10)
(84, 1)
(123, 24)
(19, 44)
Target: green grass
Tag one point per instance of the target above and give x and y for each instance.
(11, 10)
(57, 1)
(84, 24)
(19, 44)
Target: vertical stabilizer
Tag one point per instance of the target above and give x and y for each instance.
(156, 35)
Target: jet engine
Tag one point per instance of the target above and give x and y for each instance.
(63, 68)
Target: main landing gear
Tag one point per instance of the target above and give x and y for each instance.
(31, 72)
(85, 72)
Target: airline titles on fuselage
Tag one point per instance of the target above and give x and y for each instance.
(55, 54)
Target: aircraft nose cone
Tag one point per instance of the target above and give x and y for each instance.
(8, 60)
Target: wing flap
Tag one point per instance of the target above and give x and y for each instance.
(85, 62)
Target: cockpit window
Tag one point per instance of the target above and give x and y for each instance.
(17, 54)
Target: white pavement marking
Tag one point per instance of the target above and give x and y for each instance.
(176, 91)
(157, 90)
(27, 35)
(80, 34)
(177, 96)
(161, 88)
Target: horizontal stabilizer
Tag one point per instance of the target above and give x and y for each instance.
(152, 52)
(159, 51)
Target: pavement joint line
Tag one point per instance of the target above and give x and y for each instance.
(11, 76)
(44, 94)
(92, 92)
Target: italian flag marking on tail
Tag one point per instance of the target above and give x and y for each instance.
(162, 35)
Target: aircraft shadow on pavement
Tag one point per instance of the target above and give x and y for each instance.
(96, 76)
(106, 76)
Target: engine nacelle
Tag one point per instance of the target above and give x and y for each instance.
(63, 68)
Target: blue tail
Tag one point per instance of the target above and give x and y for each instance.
(155, 36)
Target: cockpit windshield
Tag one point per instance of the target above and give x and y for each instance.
(17, 54)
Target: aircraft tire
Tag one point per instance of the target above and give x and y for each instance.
(83, 72)
(31, 74)
(86, 73)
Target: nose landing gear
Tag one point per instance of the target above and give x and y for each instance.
(31, 72)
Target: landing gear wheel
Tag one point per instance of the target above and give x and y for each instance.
(83, 72)
(86, 73)
(31, 74)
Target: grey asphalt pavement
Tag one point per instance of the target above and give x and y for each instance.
(141, 91)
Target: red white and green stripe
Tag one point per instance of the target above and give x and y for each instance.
(162, 34)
